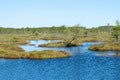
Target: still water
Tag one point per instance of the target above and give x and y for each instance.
(83, 65)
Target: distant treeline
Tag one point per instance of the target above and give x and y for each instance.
(53, 29)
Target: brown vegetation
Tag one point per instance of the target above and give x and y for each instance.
(61, 44)
(106, 47)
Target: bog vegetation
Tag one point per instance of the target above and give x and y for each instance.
(69, 36)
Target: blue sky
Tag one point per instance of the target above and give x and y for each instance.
(45, 13)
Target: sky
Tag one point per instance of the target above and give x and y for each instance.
(47, 13)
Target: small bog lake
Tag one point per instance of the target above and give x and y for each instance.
(83, 65)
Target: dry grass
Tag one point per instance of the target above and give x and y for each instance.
(60, 44)
(106, 47)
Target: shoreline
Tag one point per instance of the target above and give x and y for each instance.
(105, 47)
(45, 54)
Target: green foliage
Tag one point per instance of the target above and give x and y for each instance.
(116, 33)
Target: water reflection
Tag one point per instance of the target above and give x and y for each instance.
(79, 50)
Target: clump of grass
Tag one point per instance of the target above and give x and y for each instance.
(105, 47)
(12, 55)
(52, 37)
(89, 39)
(22, 42)
(46, 54)
(15, 48)
(16, 52)
(61, 44)
(55, 44)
